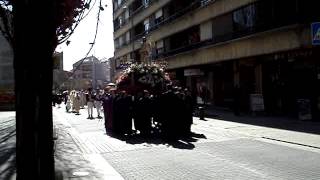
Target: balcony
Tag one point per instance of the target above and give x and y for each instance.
(265, 20)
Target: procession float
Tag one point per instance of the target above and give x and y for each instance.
(138, 77)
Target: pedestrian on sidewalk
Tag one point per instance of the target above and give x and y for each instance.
(97, 102)
(68, 105)
(82, 99)
(77, 104)
(189, 106)
(89, 99)
(107, 103)
(59, 100)
(72, 96)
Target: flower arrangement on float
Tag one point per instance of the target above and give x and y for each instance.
(137, 77)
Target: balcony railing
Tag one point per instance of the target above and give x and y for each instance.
(124, 1)
(143, 6)
(193, 6)
(221, 38)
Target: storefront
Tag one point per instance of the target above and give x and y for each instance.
(280, 84)
(291, 79)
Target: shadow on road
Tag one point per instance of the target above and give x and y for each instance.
(180, 142)
(7, 149)
(278, 122)
(69, 160)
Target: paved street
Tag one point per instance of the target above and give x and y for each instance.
(7, 145)
(218, 150)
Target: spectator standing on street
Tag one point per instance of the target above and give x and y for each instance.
(189, 106)
(89, 99)
(204, 94)
(54, 99)
(77, 104)
(107, 103)
(82, 99)
(68, 104)
(97, 103)
(65, 97)
(59, 100)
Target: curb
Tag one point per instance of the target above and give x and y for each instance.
(289, 142)
(96, 160)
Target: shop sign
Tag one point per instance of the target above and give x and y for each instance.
(193, 72)
(315, 28)
(256, 102)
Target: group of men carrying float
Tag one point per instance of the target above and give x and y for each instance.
(168, 114)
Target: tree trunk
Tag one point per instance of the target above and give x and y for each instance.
(34, 37)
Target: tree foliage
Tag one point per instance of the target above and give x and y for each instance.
(68, 15)
(6, 25)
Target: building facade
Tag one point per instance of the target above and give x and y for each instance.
(59, 75)
(6, 65)
(89, 72)
(6, 75)
(107, 70)
(264, 47)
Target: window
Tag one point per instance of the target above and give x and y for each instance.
(117, 63)
(120, 21)
(158, 16)
(116, 25)
(146, 3)
(120, 41)
(159, 47)
(245, 18)
(127, 37)
(119, 2)
(146, 25)
(126, 14)
(222, 28)
(116, 43)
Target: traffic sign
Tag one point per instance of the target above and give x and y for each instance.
(315, 30)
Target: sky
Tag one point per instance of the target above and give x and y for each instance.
(84, 34)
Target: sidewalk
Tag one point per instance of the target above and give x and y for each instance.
(73, 158)
(80, 147)
(7, 145)
(284, 129)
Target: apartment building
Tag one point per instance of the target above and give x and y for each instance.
(89, 72)
(6, 75)
(264, 47)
